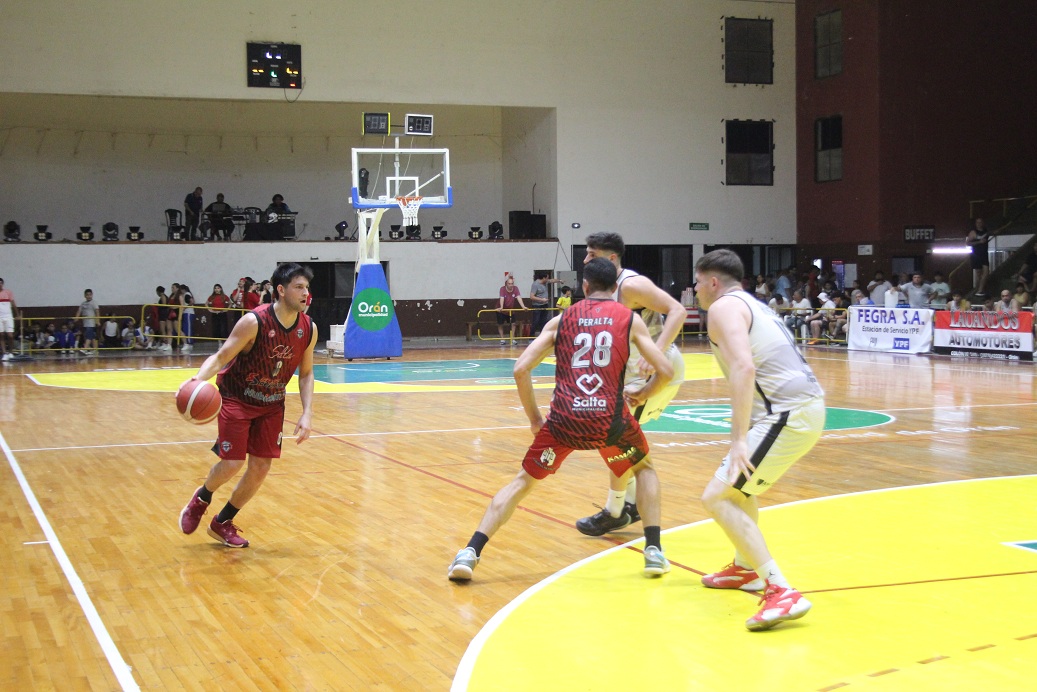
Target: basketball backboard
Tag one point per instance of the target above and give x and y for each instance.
(382, 175)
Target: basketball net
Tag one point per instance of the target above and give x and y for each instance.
(367, 236)
(409, 206)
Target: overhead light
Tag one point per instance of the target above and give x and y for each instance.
(134, 234)
(394, 232)
(340, 228)
(438, 233)
(475, 233)
(954, 250)
(414, 232)
(85, 234)
(496, 230)
(12, 232)
(576, 224)
(42, 235)
(110, 232)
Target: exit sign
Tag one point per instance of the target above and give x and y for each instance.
(698, 226)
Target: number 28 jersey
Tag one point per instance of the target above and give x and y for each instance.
(592, 347)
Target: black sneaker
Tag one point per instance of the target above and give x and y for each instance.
(602, 523)
(631, 509)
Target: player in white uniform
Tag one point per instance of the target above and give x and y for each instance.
(8, 310)
(664, 316)
(777, 414)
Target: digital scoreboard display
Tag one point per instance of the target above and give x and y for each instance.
(274, 65)
(418, 125)
(376, 124)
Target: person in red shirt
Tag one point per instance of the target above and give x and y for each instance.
(255, 364)
(510, 299)
(589, 410)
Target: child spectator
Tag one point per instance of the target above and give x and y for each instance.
(566, 299)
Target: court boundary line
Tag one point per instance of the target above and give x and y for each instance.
(465, 667)
(118, 665)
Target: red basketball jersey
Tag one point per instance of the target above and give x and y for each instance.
(260, 376)
(592, 347)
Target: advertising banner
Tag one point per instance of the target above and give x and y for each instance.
(900, 330)
(984, 334)
(372, 330)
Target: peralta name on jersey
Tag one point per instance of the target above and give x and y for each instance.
(595, 321)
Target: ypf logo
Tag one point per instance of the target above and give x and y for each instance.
(372, 309)
(901, 344)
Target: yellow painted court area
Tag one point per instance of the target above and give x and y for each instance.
(913, 588)
(697, 367)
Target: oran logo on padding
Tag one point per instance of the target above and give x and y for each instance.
(372, 309)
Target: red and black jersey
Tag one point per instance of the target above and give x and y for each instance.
(260, 376)
(592, 348)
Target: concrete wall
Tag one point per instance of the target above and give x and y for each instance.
(614, 110)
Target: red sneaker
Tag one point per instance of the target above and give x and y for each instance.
(227, 534)
(191, 515)
(779, 604)
(734, 577)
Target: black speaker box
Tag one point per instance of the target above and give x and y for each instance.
(524, 225)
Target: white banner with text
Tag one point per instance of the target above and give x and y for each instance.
(901, 330)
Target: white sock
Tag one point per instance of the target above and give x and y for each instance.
(741, 561)
(614, 505)
(773, 575)
(631, 491)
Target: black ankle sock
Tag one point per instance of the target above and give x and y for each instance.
(652, 537)
(229, 511)
(204, 494)
(479, 541)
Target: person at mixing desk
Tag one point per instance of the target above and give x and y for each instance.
(220, 218)
(277, 206)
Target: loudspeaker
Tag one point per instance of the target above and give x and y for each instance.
(524, 225)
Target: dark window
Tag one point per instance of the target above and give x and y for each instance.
(828, 44)
(828, 138)
(748, 51)
(750, 152)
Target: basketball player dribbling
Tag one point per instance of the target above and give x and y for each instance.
(592, 341)
(777, 415)
(255, 364)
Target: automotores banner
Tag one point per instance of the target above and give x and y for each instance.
(985, 334)
(372, 330)
(903, 330)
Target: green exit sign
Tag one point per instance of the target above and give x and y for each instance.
(698, 226)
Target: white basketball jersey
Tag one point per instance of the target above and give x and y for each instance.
(654, 321)
(783, 378)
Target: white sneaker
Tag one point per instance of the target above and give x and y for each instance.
(186, 348)
(7, 356)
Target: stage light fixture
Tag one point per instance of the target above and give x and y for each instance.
(85, 234)
(475, 233)
(496, 230)
(394, 232)
(341, 228)
(110, 232)
(438, 233)
(414, 232)
(12, 232)
(134, 234)
(42, 235)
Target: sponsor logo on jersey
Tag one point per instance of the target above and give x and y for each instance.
(547, 458)
(298, 333)
(629, 452)
(589, 383)
(225, 446)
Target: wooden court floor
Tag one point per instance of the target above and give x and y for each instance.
(344, 586)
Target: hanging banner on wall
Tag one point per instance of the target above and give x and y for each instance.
(984, 334)
(902, 330)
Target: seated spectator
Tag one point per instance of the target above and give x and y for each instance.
(818, 320)
(1022, 296)
(762, 291)
(1007, 303)
(859, 297)
(837, 320)
(958, 302)
(220, 221)
(777, 304)
(988, 305)
(65, 339)
(111, 332)
(47, 338)
(134, 338)
(1028, 273)
(800, 311)
(941, 291)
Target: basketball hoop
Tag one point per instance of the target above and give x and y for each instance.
(409, 206)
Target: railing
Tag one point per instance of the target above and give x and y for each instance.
(829, 323)
(522, 328)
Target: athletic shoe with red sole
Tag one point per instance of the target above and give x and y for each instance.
(227, 534)
(191, 515)
(734, 577)
(779, 604)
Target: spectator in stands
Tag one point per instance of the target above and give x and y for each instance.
(1022, 296)
(539, 302)
(47, 338)
(193, 212)
(133, 337)
(509, 298)
(8, 312)
(187, 318)
(218, 302)
(958, 303)
(877, 288)
(778, 304)
(895, 296)
(837, 321)
(812, 288)
(783, 285)
(941, 291)
(1028, 272)
(237, 302)
(111, 333)
(917, 291)
(65, 339)
(251, 299)
(1007, 303)
(800, 311)
(277, 206)
(978, 239)
(762, 291)
(566, 299)
(988, 305)
(859, 297)
(88, 312)
(173, 317)
(266, 292)
(818, 320)
(220, 221)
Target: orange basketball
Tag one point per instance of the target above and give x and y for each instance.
(198, 401)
